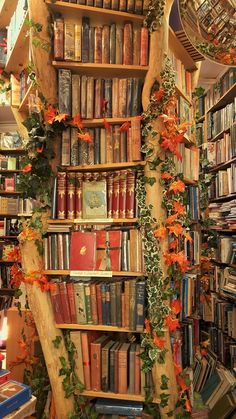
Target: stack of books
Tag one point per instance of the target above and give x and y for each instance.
(118, 303)
(223, 214)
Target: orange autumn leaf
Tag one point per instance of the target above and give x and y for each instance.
(173, 245)
(159, 342)
(166, 176)
(160, 232)
(77, 121)
(147, 325)
(181, 259)
(169, 119)
(182, 384)
(40, 149)
(50, 114)
(85, 137)
(176, 229)
(173, 324)
(175, 306)
(61, 117)
(177, 186)
(138, 117)
(171, 219)
(27, 168)
(177, 368)
(178, 207)
(106, 124)
(159, 94)
(124, 127)
(188, 405)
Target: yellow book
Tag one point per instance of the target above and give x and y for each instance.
(78, 42)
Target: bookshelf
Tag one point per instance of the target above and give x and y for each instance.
(19, 54)
(107, 70)
(105, 166)
(101, 274)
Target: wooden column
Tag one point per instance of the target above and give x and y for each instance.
(158, 53)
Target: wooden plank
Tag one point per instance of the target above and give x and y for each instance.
(6, 11)
(100, 327)
(106, 166)
(224, 100)
(92, 273)
(95, 221)
(20, 52)
(94, 69)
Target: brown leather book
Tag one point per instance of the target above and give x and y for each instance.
(91, 44)
(138, 7)
(134, 238)
(116, 144)
(86, 339)
(98, 45)
(98, 99)
(56, 302)
(61, 195)
(119, 44)
(105, 364)
(102, 145)
(94, 307)
(70, 195)
(116, 368)
(78, 56)
(83, 103)
(109, 146)
(115, 95)
(122, 98)
(123, 309)
(90, 97)
(136, 45)
(74, 147)
(64, 303)
(69, 41)
(123, 146)
(122, 6)
(123, 354)
(127, 300)
(75, 337)
(145, 6)
(136, 139)
(71, 299)
(106, 4)
(58, 28)
(113, 43)
(132, 377)
(122, 195)
(116, 195)
(78, 194)
(75, 94)
(65, 147)
(128, 44)
(132, 304)
(106, 44)
(144, 46)
(129, 145)
(96, 367)
(99, 302)
(137, 367)
(115, 4)
(110, 177)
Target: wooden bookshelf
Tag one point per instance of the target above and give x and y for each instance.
(224, 198)
(71, 11)
(7, 193)
(117, 396)
(105, 166)
(222, 165)
(202, 118)
(7, 291)
(10, 151)
(101, 274)
(20, 52)
(6, 11)
(219, 135)
(24, 103)
(190, 182)
(95, 221)
(224, 100)
(180, 92)
(101, 70)
(99, 327)
(10, 171)
(9, 237)
(100, 122)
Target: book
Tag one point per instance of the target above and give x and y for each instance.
(58, 44)
(56, 302)
(105, 365)
(123, 354)
(64, 302)
(85, 39)
(94, 199)
(64, 91)
(86, 339)
(96, 358)
(13, 395)
(83, 251)
(75, 337)
(81, 315)
(69, 41)
(108, 250)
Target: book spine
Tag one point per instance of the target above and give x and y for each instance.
(132, 305)
(74, 148)
(113, 43)
(97, 146)
(138, 7)
(109, 194)
(118, 304)
(60, 251)
(130, 195)
(136, 46)
(108, 304)
(98, 3)
(61, 195)
(116, 195)
(123, 147)
(119, 44)
(90, 97)
(64, 302)
(71, 300)
(140, 304)
(122, 371)
(144, 46)
(122, 105)
(94, 303)
(83, 106)
(108, 98)
(98, 45)
(106, 43)
(103, 295)
(77, 43)
(96, 366)
(64, 91)
(69, 41)
(78, 195)
(122, 194)
(56, 302)
(136, 139)
(88, 308)
(54, 199)
(114, 4)
(127, 303)
(128, 44)
(116, 144)
(58, 39)
(91, 44)
(129, 97)
(98, 99)
(99, 303)
(137, 366)
(65, 147)
(109, 147)
(70, 195)
(130, 6)
(86, 359)
(113, 303)
(75, 94)
(122, 6)
(85, 39)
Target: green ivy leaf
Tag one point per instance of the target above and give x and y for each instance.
(57, 341)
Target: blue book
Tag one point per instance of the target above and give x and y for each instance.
(119, 407)
(210, 386)
(12, 396)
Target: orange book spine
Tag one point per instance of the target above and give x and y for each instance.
(144, 47)
(86, 359)
(93, 298)
(137, 367)
(136, 139)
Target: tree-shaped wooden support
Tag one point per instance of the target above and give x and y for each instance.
(158, 53)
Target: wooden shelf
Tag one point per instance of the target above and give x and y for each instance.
(223, 198)
(221, 133)
(117, 396)
(222, 165)
(100, 121)
(7, 262)
(105, 166)
(202, 118)
(24, 103)
(10, 151)
(9, 237)
(95, 221)
(99, 327)
(7, 291)
(102, 274)
(190, 182)
(10, 171)
(7, 193)
(20, 52)
(193, 267)
(7, 9)
(181, 93)
(224, 100)
(99, 70)
(72, 11)
(180, 52)
(218, 262)
(220, 230)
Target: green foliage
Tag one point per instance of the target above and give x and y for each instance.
(155, 14)
(57, 341)
(164, 399)
(198, 92)
(164, 382)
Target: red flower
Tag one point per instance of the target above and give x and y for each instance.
(27, 168)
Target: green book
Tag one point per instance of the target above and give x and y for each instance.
(80, 303)
(88, 307)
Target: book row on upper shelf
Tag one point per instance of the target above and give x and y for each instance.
(92, 97)
(107, 44)
(8, 182)
(120, 303)
(131, 6)
(10, 162)
(111, 145)
(221, 120)
(224, 183)
(183, 77)
(222, 150)
(14, 206)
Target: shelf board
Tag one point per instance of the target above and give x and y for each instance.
(99, 327)
(218, 262)
(118, 396)
(202, 118)
(180, 52)
(105, 166)
(222, 165)
(10, 171)
(223, 198)
(7, 193)
(181, 93)
(100, 121)
(221, 133)
(102, 274)
(24, 103)
(95, 221)
(10, 151)
(20, 51)
(8, 237)
(72, 11)
(7, 291)
(93, 69)
(190, 182)
(224, 100)
(7, 9)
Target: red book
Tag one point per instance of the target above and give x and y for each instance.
(61, 195)
(94, 306)
(116, 195)
(86, 339)
(96, 369)
(130, 195)
(128, 44)
(109, 194)
(136, 139)
(144, 47)
(99, 302)
(65, 308)
(56, 302)
(71, 299)
(70, 195)
(78, 194)
(58, 39)
(122, 195)
(108, 250)
(83, 251)
(137, 363)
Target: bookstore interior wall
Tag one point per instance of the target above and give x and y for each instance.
(117, 219)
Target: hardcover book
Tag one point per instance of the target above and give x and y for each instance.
(83, 251)
(12, 396)
(108, 250)
(94, 199)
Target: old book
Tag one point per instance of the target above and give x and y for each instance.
(119, 44)
(122, 98)
(125, 252)
(65, 147)
(106, 4)
(109, 146)
(94, 199)
(74, 147)
(98, 3)
(108, 304)
(83, 151)
(105, 43)
(91, 43)
(122, 6)
(105, 365)
(113, 380)
(118, 303)
(132, 376)
(116, 195)
(144, 46)
(116, 144)
(97, 146)
(58, 44)
(108, 250)
(91, 147)
(113, 303)
(140, 305)
(71, 300)
(145, 6)
(138, 7)
(128, 44)
(75, 337)
(98, 45)
(94, 307)
(70, 195)
(123, 354)
(80, 303)
(64, 302)
(89, 3)
(142, 375)
(137, 369)
(115, 95)
(127, 303)
(83, 105)
(123, 146)
(136, 45)
(78, 55)
(109, 194)
(56, 302)
(90, 97)
(113, 43)
(103, 295)
(136, 95)
(60, 251)
(134, 249)
(129, 96)
(98, 98)
(75, 94)
(61, 195)
(85, 39)
(136, 139)
(64, 91)
(66, 250)
(130, 195)
(86, 339)
(122, 194)
(78, 194)
(69, 41)
(99, 302)
(102, 146)
(96, 368)
(83, 251)
(132, 304)
(88, 308)
(115, 4)
(108, 98)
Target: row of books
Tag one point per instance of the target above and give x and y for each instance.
(107, 44)
(188, 336)
(97, 250)
(200, 132)
(6, 302)
(92, 97)
(223, 280)
(138, 6)
(223, 214)
(9, 227)
(10, 140)
(10, 163)
(223, 149)
(183, 78)
(14, 206)
(104, 363)
(106, 146)
(200, 106)
(189, 165)
(95, 195)
(225, 248)
(224, 183)
(223, 346)
(118, 303)
(15, 24)
(8, 183)
(221, 120)
(220, 88)
(224, 315)
(189, 295)
(5, 276)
